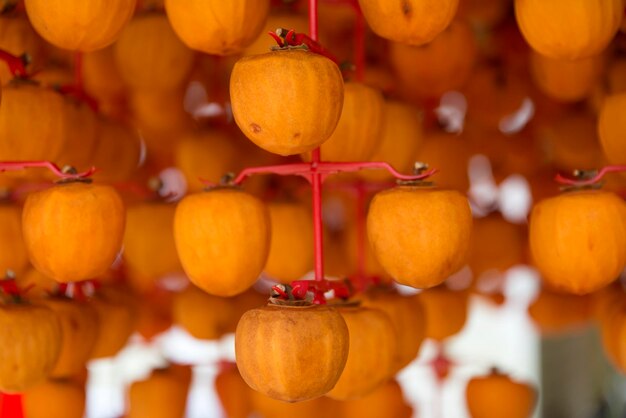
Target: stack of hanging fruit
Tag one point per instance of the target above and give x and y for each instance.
(135, 88)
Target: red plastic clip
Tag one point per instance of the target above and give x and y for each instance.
(587, 178)
(21, 165)
(286, 38)
(16, 64)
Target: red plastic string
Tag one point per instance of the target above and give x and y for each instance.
(76, 89)
(359, 190)
(15, 63)
(291, 38)
(325, 169)
(599, 174)
(21, 165)
(300, 288)
(313, 20)
(315, 172)
(11, 406)
(9, 287)
(316, 177)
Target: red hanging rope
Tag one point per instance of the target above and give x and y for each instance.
(587, 178)
(16, 64)
(62, 174)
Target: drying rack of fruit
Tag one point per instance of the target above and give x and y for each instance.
(119, 120)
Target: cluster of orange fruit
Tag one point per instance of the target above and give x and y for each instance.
(183, 84)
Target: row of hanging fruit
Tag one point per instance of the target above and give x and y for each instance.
(120, 120)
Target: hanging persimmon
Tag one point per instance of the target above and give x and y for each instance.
(73, 231)
(53, 76)
(613, 331)
(496, 245)
(350, 246)
(571, 142)
(154, 313)
(13, 254)
(222, 237)
(408, 320)
(18, 37)
(566, 80)
(36, 283)
(162, 119)
(149, 248)
(151, 57)
(450, 154)
(216, 27)
(233, 393)
(302, 361)
(116, 317)
(78, 25)
(445, 311)
(386, 401)
(583, 28)
(20, 139)
(203, 316)
(578, 240)
(79, 326)
(162, 395)
(372, 352)
(611, 128)
(101, 78)
(291, 247)
(266, 407)
(444, 64)
(497, 395)
(118, 152)
(80, 136)
(288, 20)
(339, 23)
(615, 78)
(494, 94)
(413, 22)
(206, 155)
(401, 137)
(55, 398)
(242, 303)
(420, 235)
(554, 313)
(358, 132)
(484, 13)
(304, 88)
(31, 336)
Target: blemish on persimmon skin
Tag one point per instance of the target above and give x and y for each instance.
(255, 128)
(297, 135)
(406, 8)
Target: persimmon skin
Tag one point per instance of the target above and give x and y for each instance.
(578, 240)
(414, 22)
(55, 399)
(372, 353)
(216, 27)
(78, 25)
(420, 251)
(582, 29)
(291, 249)
(312, 85)
(611, 128)
(496, 396)
(311, 349)
(73, 231)
(31, 337)
(222, 237)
